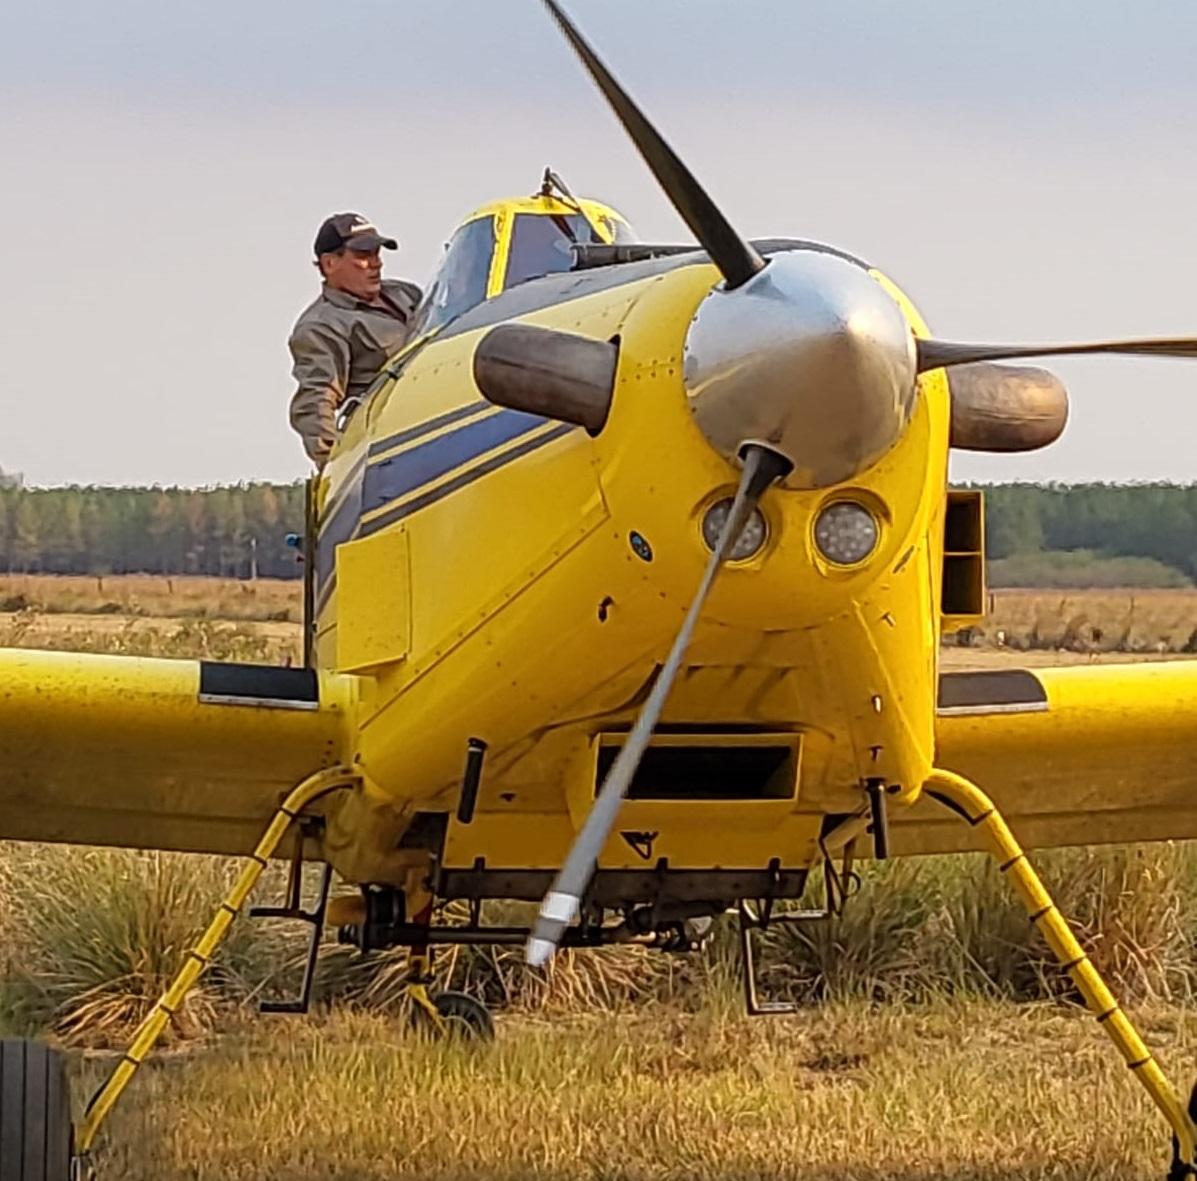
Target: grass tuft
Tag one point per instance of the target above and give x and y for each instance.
(94, 936)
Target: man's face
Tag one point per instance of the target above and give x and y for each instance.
(359, 272)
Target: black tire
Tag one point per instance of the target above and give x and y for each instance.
(466, 1017)
(35, 1113)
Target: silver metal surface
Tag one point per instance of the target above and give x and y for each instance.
(1006, 407)
(812, 358)
(542, 371)
(256, 702)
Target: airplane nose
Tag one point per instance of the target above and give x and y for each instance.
(811, 358)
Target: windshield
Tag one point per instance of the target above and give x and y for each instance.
(460, 281)
(540, 243)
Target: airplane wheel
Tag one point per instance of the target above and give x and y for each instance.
(35, 1113)
(466, 1017)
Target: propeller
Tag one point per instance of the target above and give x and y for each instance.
(563, 902)
(734, 257)
(941, 354)
(828, 327)
(738, 262)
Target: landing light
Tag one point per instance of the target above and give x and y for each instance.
(751, 538)
(846, 532)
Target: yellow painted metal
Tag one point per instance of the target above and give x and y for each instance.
(538, 203)
(503, 598)
(978, 809)
(535, 626)
(422, 999)
(438, 484)
(419, 976)
(498, 263)
(150, 1030)
(375, 612)
(1108, 759)
(504, 212)
(111, 750)
(512, 607)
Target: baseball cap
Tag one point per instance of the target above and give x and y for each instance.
(350, 230)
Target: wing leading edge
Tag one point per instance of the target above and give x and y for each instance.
(159, 754)
(1087, 754)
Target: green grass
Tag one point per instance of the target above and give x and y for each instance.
(1083, 568)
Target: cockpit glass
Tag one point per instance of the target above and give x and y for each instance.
(460, 281)
(541, 243)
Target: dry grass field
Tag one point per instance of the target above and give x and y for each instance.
(147, 615)
(970, 1092)
(1133, 620)
(1142, 621)
(934, 1039)
(136, 595)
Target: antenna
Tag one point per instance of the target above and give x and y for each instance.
(551, 185)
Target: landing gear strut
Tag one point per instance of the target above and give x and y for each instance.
(971, 804)
(307, 792)
(448, 1013)
(378, 920)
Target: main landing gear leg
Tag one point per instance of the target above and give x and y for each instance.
(305, 793)
(970, 802)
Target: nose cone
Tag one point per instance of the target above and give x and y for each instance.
(811, 357)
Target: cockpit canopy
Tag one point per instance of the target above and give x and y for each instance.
(510, 242)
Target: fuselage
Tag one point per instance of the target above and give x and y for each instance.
(519, 580)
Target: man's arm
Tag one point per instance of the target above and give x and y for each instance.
(321, 370)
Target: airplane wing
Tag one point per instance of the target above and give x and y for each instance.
(196, 755)
(1088, 754)
(161, 754)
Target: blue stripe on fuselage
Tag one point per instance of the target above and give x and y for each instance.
(471, 410)
(337, 528)
(388, 479)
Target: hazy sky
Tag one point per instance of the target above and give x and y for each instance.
(1026, 170)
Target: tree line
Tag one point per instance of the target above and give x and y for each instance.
(234, 532)
(1119, 520)
(240, 531)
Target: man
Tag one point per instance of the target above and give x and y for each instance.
(345, 336)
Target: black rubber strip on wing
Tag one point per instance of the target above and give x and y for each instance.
(729, 252)
(941, 354)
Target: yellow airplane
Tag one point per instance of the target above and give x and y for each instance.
(627, 584)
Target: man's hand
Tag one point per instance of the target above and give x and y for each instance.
(318, 450)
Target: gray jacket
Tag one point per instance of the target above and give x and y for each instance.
(338, 345)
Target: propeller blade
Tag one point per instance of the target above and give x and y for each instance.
(941, 354)
(729, 252)
(563, 902)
